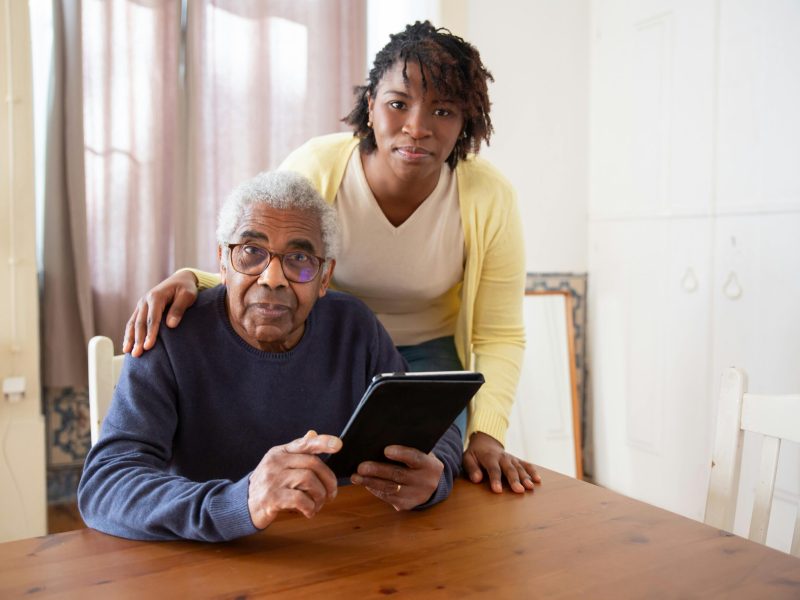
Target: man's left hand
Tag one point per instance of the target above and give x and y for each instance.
(404, 487)
(486, 453)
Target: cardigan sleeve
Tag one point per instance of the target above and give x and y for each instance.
(498, 331)
(205, 280)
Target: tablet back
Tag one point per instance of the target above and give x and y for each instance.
(409, 409)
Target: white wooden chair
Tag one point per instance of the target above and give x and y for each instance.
(104, 370)
(775, 417)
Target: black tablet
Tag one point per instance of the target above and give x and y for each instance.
(409, 409)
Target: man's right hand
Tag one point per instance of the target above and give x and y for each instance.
(292, 478)
(141, 330)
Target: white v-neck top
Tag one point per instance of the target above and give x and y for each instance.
(410, 276)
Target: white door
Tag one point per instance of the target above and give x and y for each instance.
(649, 341)
(651, 196)
(756, 297)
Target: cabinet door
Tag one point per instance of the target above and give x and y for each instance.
(759, 94)
(757, 327)
(649, 314)
(651, 143)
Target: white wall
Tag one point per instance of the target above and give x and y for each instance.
(387, 17)
(538, 52)
(22, 461)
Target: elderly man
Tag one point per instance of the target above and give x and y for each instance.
(212, 434)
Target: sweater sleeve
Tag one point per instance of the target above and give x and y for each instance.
(447, 450)
(127, 488)
(498, 336)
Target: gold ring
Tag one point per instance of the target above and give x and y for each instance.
(397, 491)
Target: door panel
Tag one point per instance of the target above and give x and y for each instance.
(649, 310)
(652, 108)
(756, 325)
(759, 92)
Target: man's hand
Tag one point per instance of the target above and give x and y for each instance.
(486, 452)
(141, 330)
(292, 478)
(404, 487)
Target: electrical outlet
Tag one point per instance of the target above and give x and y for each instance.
(14, 388)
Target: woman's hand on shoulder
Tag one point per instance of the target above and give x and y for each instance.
(484, 453)
(141, 331)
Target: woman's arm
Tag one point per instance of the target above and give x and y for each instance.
(498, 342)
(180, 289)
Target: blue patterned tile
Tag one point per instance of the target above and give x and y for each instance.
(62, 484)
(68, 439)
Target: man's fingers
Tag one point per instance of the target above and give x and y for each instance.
(306, 480)
(294, 499)
(300, 454)
(314, 444)
(413, 458)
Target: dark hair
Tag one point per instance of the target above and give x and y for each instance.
(455, 68)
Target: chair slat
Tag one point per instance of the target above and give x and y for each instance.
(764, 488)
(775, 416)
(727, 456)
(102, 379)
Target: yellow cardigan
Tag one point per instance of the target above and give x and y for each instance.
(489, 324)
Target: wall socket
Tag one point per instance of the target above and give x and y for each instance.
(14, 389)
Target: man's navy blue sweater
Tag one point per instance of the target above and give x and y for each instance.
(193, 417)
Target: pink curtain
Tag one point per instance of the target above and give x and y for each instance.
(262, 77)
(179, 106)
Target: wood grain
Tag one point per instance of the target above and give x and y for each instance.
(568, 539)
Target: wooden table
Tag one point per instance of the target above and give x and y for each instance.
(569, 539)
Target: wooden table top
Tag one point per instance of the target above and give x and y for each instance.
(569, 539)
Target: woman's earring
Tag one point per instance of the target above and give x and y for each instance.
(369, 124)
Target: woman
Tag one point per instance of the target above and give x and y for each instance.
(431, 236)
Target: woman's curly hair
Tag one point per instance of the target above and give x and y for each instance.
(455, 68)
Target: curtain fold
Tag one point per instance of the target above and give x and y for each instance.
(261, 78)
(155, 117)
(67, 311)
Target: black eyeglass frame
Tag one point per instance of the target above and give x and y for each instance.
(270, 255)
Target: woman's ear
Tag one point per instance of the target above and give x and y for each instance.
(370, 104)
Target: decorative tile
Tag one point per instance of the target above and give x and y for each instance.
(68, 440)
(62, 484)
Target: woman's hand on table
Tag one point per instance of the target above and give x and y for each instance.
(404, 487)
(484, 453)
(141, 330)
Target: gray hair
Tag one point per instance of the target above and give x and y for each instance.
(283, 190)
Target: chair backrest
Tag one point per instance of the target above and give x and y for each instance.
(104, 370)
(777, 418)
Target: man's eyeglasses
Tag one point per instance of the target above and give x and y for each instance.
(298, 267)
